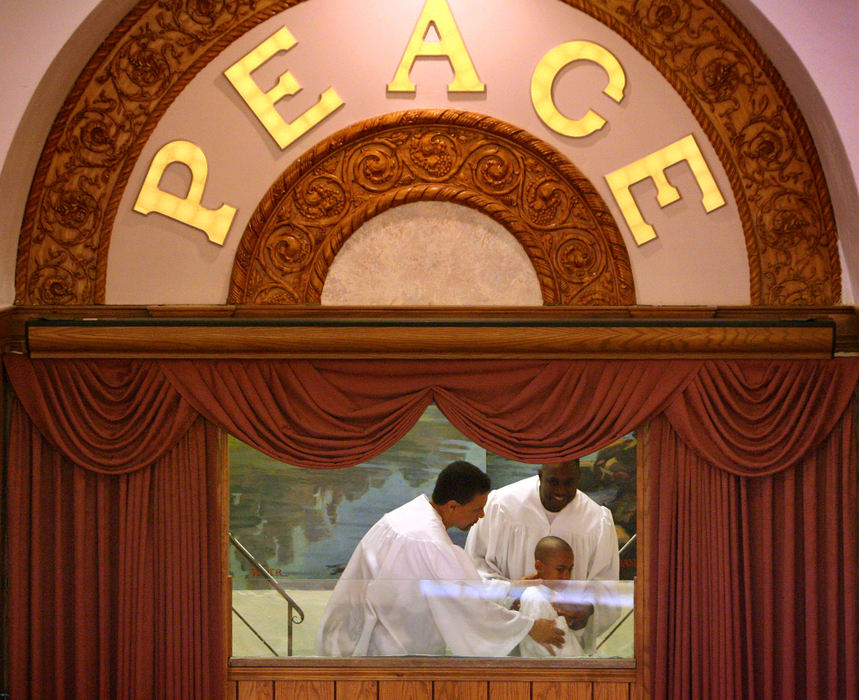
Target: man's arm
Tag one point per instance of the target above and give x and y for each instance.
(575, 614)
(466, 613)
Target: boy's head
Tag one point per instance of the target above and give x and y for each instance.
(553, 559)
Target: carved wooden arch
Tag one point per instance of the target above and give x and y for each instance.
(699, 47)
(441, 155)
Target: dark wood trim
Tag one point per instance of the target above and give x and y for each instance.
(419, 668)
(5, 669)
(443, 332)
(437, 341)
(223, 505)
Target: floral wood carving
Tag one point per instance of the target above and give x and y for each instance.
(441, 155)
(697, 45)
(760, 137)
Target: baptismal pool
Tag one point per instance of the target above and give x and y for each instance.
(303, 524)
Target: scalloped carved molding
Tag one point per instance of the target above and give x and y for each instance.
(697, 45)
(440, 155)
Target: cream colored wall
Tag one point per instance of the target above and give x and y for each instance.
(33, 32)
(813, 45)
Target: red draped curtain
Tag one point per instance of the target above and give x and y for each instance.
(340, 413)
(114, 477)
(753, 533)
(115, 535)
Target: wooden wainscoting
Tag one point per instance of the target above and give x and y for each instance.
(423, 680)
(429, 690)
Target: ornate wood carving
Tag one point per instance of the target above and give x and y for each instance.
(528, 187)
(758, 132)
(97, 137)
(706, 55)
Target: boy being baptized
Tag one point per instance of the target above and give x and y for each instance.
(553, 560)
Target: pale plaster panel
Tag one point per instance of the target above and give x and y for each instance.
(431, 253)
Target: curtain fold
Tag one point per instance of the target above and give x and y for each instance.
(558, 410)
(112, 487)
(62, 623)
(115, 581)
(759, 417)
(293, 411)
(753, 579)
(102, 414)
(341, 413)
(699, 616)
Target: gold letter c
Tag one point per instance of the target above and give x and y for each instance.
(546, 72)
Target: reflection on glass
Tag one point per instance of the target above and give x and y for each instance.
(302, 525)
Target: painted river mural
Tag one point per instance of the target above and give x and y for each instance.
(304, 523)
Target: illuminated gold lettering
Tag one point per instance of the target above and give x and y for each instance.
(654, 166)
(216, 223)
(450, 45)
(262, 104)
(544, 78)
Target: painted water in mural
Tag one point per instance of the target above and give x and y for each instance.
(305, 523)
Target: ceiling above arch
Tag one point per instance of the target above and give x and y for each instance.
(700, 49)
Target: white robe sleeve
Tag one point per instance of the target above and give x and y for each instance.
(605, 561)
(416, 594)
(536, 603)
(435, 600)
(603, 572)
(483, 543)
(348, 619)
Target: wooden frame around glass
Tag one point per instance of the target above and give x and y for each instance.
(441, 677)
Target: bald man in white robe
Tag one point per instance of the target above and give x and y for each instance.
(409, 590)
(502, 544)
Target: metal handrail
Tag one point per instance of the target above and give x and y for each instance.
(293, 618)
(257, 634)
(627, 544)
(614, 629)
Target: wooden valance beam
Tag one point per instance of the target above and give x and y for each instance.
(444, 333)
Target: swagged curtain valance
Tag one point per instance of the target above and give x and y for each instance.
(104, 415)
(748, 417)
(714, 424)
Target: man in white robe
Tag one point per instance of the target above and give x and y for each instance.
(520, 514)
(408, 589)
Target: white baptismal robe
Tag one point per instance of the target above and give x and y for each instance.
(536, 602)
(502, 543)
(407, 589)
